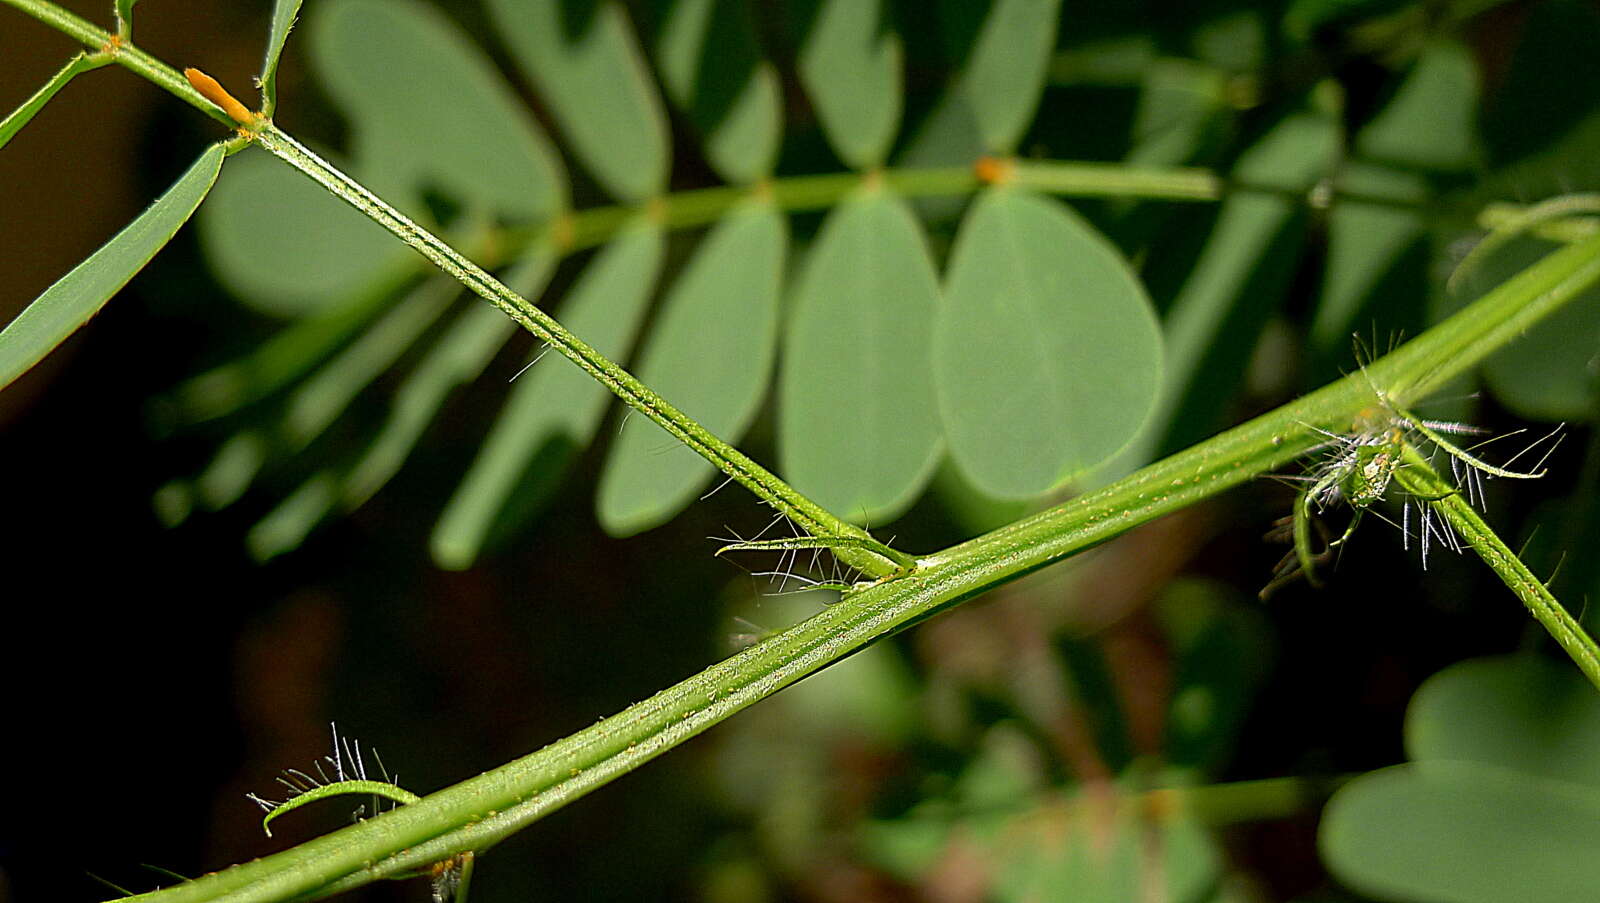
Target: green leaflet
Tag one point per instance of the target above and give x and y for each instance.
(1244, 268)
(1545, 374)
(850, 65)
(1376, 258)
(1501, 803)
(1431, 122)
(587, 65)
(1046, 351)
(857, 425)
(1457, 832)
(401, 70)
(264, 213)
(1004, 75)
(283, 16)
(1522, 713)
(79, 295)
(554, 402)
(456, 359)
(711, 352)
(712, 70)
(1376, 269)
(990, 102)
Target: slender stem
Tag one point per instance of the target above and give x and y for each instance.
(1419, 478)
(479, 812)
(804, 512)
(126, 55)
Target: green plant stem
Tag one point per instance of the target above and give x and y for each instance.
(1419, 478)
(479, 812)
(125, 55)
(1116, 180)
(804, 512)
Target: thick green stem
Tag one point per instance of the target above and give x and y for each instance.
(1418, 478)
(480, 812)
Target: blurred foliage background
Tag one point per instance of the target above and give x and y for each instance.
(1010, 750)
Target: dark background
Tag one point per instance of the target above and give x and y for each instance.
(155, 676)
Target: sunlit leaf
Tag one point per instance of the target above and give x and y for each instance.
(850, 65)
(283, 16)
(428, 110)
(583, 57)
(1046, 351)
(74, 298)
(712, 70)
(711, 352)
(857, 426)
(553, 403)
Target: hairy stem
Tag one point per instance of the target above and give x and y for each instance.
(804, 512)
(479, 812)
(1419, 478)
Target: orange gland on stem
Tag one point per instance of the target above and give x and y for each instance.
(992, 170)
(211, 90)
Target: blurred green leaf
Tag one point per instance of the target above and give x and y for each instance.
(1548, 373)
(1083, 869)
(850, 66)
(1005, 71)
(583, 57)
(712, 68)
(318, 401)
(286, 526)
(457, 358)
(1547, 90)
(69, 303)
(1518, 712)
(401, 70)
(1502, 802)
(711, 352)
(1431, 122)
(1376, 260)
(1180, 102)
(555, 401)
(1213, 324)
(1047, 354)
(264, 213)
(1221, 647)
(1460, 832)
(857, 427)
(283, 16)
